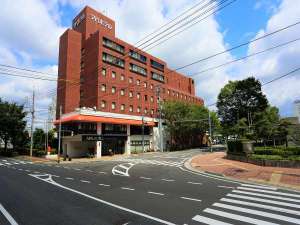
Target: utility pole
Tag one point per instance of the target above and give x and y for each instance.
(161, 142)
(46, 136)
(210, 133)
(32, 124)
(143, 133)
(59, 134)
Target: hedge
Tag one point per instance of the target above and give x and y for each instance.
(235, 147)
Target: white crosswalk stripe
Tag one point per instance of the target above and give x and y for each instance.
(253, 204)
(150, 162)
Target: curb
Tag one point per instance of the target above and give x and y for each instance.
(188, 166)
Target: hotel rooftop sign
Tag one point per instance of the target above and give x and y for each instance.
(93, 18)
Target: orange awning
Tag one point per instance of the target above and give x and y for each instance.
(101, 119)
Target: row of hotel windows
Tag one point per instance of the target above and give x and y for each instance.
(133, 54)
(133, 68)
(122, 108)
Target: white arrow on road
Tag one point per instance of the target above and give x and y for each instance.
(122, 169)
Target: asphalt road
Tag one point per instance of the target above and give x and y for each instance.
(152, 188)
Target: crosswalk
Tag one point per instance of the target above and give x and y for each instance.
(5, 162)
(253, 204)
(150, 162)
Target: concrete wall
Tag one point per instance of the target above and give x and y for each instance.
(76, 149)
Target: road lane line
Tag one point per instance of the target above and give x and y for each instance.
(192, 199)
(267, 196)
(146, 178)
(102, 172)
(89, 171)
(168, 180)
(7, 215)
(85, 181)
(20, 169)
(28, 170)
(264, 200)
(269, 192)
(105, 185)
(54, 175)
(189, 182)
(228, 187)
(50, 181)
(126, 188)
(237, 217)
(258, 186)
(274, 208)
(209, 221)
(69, 178)
(77, 169)
(258, 213)
(155, 193)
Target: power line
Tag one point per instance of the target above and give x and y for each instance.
(245, 57)
(271, 81)
(29, 70)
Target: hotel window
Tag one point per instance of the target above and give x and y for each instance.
(130, 80)
(103, 87)
(113, 90)
(113, 60)
(81, 93)
(138, 109)
(122, 77)
(158, 77)
(157, 65)
(113, 105)
(185, 97)
(130, 94)
(177, 95)
(138, 69)
(122, 107)
(113, 45)
(103, 104)
(104, 72)
(113, 74)
(146, 97)
(145, 110)
(157, 100)
(151, 99)
(137, 56)
(122, 92)
(151, 86)
(138, 82)
(131, 108)
(152, 111)
(145, 84)
(138, 95)
(181, 96)
(168, 92)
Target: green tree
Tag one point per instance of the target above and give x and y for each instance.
(186, 123)
(39, 139)
(237, 100)
(12, 124)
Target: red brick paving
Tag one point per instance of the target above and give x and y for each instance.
(216, 163)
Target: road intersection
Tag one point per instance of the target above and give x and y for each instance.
(151, 188)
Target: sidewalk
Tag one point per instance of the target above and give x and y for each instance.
(216, 163)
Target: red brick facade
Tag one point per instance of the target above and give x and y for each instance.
(90, 76)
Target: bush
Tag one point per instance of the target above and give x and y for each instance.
(235, 147)
(38, 152)
(284, 152)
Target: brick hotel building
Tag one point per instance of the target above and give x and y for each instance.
(107, 89)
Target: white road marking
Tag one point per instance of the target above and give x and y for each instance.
(8, 163)
(155, 193)
(85, 181)
(10, 219)
(274, 208)
(237, 217)
(264, 200)
(89, 171)
(102, 172)
(105, 185)
(146, 178)
(267, 196)
(56, 166)
(124, 167)
(28, 170)
(20, 169)
(192, 199)
(258, 186)
(209, 221)
(69, 178)
(77, 169)
(228, 187)
(167, 180)
(1, 164)
(4, 160)
(50, 181)
(269, 192)
(119, 169)
(258, 213)
(126, 188)
(54, 175)
(189, 182)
